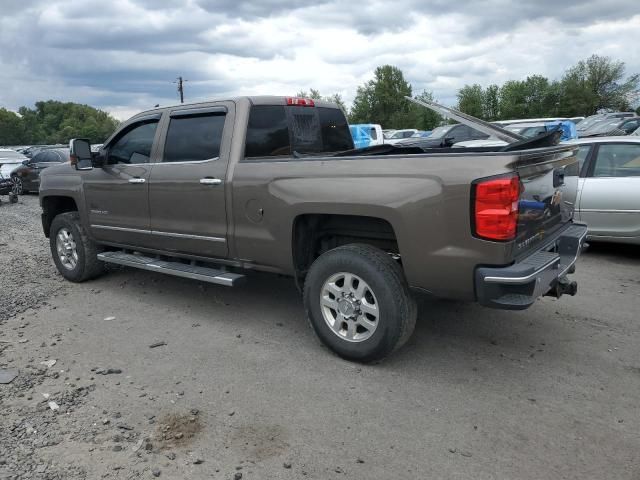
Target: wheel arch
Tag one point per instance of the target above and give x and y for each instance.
(54, 205)
(315, 233)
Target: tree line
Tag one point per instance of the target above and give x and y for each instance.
(595, 83)
(53, 122)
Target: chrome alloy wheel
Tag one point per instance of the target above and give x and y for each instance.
(17, 185)
(349, 307)
(66, 248)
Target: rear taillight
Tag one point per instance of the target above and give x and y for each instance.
(300, 102)
(495, 204)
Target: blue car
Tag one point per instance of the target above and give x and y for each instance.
(366, 135)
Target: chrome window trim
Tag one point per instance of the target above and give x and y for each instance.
(186, 162)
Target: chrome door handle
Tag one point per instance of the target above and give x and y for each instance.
(137, 180)
(210, 181)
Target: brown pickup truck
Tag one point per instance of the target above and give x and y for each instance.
(211, 190)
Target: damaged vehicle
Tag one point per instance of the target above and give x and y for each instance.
(6, 188)
(215, 190)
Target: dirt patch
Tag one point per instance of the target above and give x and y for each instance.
(259, 442)
(177, 430)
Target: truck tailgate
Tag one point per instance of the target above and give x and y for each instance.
(548, 186)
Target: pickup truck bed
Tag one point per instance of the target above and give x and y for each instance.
(272, 184)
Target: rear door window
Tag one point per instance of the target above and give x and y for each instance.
(267, 132)
(583, 153)
(617, 160)
(194, 138)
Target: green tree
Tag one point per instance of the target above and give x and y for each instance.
(491, 103)
(424, 118)
(11, 128)
(316, 95)
(512, 100)
(57, 122)
(471, 100)
(595, 83)
(382, 100)
(535, 90)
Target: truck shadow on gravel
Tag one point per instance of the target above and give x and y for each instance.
(269, 308)
(614, 252)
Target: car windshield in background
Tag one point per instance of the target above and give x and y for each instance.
(440, 132)
(605, 127)
(531, 132)
(590, 122)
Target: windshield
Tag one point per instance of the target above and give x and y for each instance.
(605, 127)
(440, 132)
(531, 132)
(590, 121)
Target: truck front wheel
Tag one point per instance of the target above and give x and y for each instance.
(74, 253)
(358, 302)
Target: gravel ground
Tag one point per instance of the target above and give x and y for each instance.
(157, 376)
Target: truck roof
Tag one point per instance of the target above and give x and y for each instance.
(252, 99)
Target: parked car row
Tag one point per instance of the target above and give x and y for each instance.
(22, 168)
(592, 121)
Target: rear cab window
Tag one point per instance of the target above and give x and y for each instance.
(286, 131)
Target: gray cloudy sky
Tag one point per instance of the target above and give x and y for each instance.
(122, 55)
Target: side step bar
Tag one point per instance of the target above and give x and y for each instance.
(178, 269)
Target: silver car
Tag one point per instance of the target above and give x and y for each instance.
(609, 188)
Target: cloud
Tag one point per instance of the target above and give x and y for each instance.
(123, 55)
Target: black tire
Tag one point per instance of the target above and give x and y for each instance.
(384, 276)
(88, 266)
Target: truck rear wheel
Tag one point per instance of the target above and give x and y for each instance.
(358, 302)
(74, 253)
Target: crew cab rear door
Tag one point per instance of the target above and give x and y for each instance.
(187, 186)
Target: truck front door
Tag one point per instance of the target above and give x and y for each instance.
(117, 195)
(187, 187)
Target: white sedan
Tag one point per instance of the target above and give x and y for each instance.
(396, 135)
(9, 161)
(609, 188)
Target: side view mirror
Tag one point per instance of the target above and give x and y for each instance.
(80, 153)
(25, 162)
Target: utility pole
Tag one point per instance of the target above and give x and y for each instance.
(180, 81)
